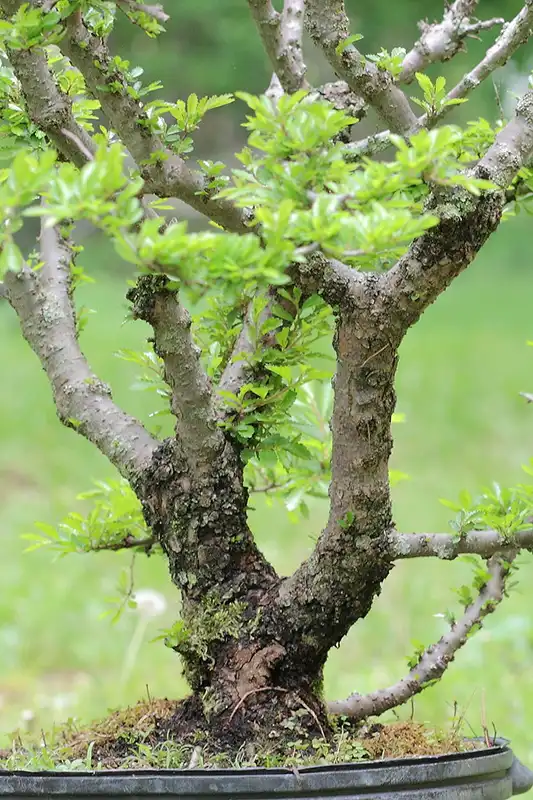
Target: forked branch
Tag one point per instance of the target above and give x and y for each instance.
(440, 41)
(42, 300)
(513, 35)
(281, 34)
(435, 660)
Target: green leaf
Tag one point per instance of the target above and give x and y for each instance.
(345, 43)
(282, 313)
(424, 82)
(11, 259)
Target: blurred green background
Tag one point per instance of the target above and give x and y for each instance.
(461, 371)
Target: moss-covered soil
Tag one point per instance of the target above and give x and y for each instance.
(169, 734)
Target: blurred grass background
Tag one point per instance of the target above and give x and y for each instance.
(461, 371)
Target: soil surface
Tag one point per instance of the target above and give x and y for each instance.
(160, 733)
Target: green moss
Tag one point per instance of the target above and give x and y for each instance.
(146, 736)
(211, 621)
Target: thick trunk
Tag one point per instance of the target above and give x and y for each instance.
(254, 646)
(237, 665)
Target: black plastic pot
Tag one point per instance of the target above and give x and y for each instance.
(493, 774)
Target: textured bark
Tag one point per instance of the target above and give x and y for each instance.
(337, 584)
(235, 666)
(328, 27)
(466, 222)
(281, 34)
(191, 395)
(441, 254)
(49, 108)
(253, 644)
(43, 303)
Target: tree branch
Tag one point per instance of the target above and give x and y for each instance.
(337, 283)
(514, 34)
(329, 28)
(42, 300)
(157, 11)
(449, 546)
(129, 542)
(441, 254)
(169, 177)
(238, 370)
(368, 146)
(281, 34)
(442, 40)
(192, 398)
(335, 586)
(436, 659)
(48, 107)
(322, 600)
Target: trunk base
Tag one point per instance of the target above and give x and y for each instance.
(267, 723)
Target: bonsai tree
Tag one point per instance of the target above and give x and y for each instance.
(319, 237)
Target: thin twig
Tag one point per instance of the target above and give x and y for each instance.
(127, 543)
(449, 546)
(442, 40)
(84, 150)
(514, 34)
(157, 12)
(310, 710)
